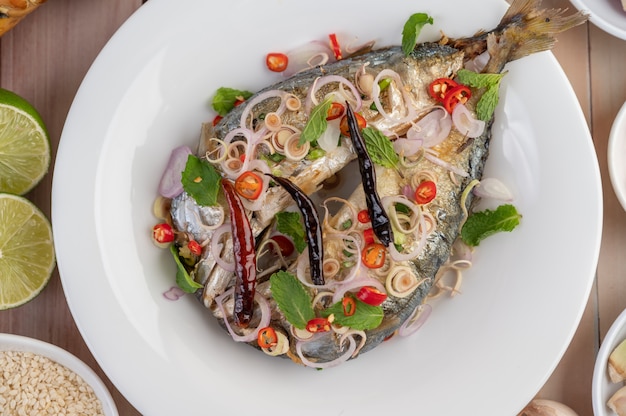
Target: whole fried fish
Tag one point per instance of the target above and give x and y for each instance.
(247, 139)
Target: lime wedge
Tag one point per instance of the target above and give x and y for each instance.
(26, 251)
(24, 145)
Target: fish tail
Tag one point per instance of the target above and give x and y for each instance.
(525, 29)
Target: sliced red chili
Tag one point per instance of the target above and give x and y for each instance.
(335, 111)
(249, 185)
(343, 125)
(267, 337)
(162, 234)
(318, 325)
(334, 44)
(363, 216)
(349, 305)
(194, 247)
(459, 94)
(425, 192)
(440, 87)
(373, 255)
(276, 61)
(217, 119)
(368, 236)
(284, 245)
(371, 295)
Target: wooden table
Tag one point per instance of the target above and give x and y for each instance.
(46, 56)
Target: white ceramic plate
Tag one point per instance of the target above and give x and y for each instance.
(608, 15)
(490, 349)
(602, 388)
(10, 342)
(616, 155)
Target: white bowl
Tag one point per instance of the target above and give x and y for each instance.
(10, 342)
(608, 15)
(602, 387)
(617, 155)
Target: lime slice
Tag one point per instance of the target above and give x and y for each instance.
(26, 251)
(24, 145)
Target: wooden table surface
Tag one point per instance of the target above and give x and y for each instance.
(47, 55)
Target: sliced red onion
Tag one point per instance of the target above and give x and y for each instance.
(264, 307)
(478, 63)
(329, 140)
(493, 188)
(431, 129)
(308, 56)
(247, 111)
(410, 111)
(444, 164)
(328, 364)
(466, 123)
(407, 147)
(415, 321)
(174, 293)
(301, 264)
(171, 184)
(311, 101)
(216, 247)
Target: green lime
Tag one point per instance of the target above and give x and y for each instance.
(26, 251)
(24, 145)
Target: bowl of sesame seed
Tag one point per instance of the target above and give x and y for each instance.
(38, 378)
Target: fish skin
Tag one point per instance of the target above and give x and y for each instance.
(507, 42)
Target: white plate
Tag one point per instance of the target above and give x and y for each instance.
(616, 155)
(149, 91)
(602, 388)
(10, 342)
(608, 15)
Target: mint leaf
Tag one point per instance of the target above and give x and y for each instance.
(183, 279)
(379, 148)
(365, 316)
(412, 29)
(225, 98)
(292, 298)
(201, 181)
(317, 124)
(489, 100)
(482, 224)
(289, 224)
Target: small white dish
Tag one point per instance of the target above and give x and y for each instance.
(18, 343)
(608, 15)
(602, 388)
(617, 155)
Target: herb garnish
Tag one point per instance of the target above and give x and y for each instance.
(289, 224)
(201, 181)
(482, 224)
(491, 82)
(412, 29)
(379, 148)
(292, 298)
(183, 279)
(225, 98)
(317, 124)
(365, 316)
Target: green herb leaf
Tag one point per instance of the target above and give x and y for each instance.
(365, 316)
(225, 98)
(317, 124)
(201, 181)
(183, 279)
(482, 224)
(491, 82)
(379, 148)
(289, 224)
(412, 29)
(292, 298)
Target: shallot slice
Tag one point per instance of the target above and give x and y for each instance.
(465, 122)
(431, 129)
(171, 184)
(493, 188)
